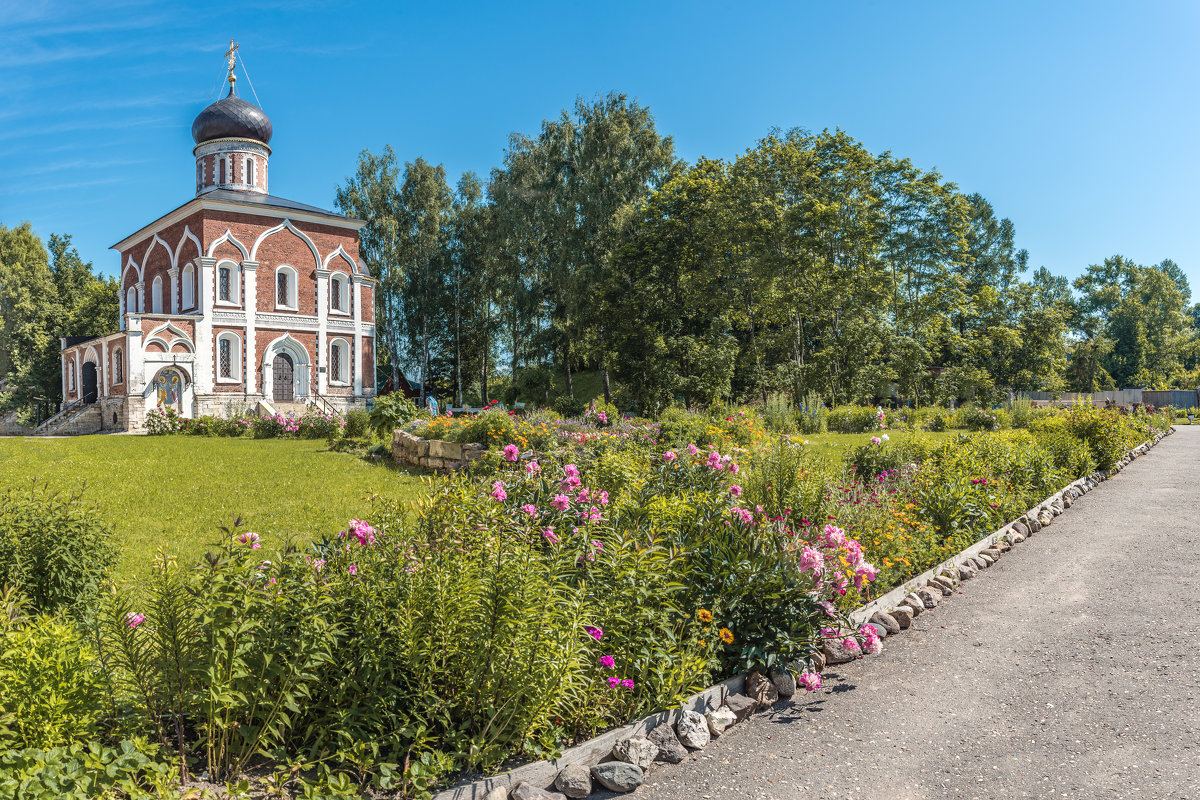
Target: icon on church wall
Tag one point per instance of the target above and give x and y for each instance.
(169, 384)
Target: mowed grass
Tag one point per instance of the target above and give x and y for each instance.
(173, 492)
(835, 446)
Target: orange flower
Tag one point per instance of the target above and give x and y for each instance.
(705, 615)
(726, 636)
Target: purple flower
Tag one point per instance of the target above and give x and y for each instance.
(133, 620)
(594, 632)
(511, 452)
(530, 509)
(627, 683)
(607, 662)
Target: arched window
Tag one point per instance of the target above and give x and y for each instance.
(156, 297)
(285, 288)
(339, 361)
(229, 357)
(131, 300)
(188, 289)
(71, 376)
(118, 366)
(250, 171)
(222, 160)
(227, 286)
(339, 294)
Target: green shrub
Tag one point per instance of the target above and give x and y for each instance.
(973, 418)
(55, 549)
(392, 411)
(132, 769)
(1104, 432)
(1020, 409)
(871, 460)
(570, 406)
(358, 422)
(318, 424)
(853, 419)
(786, 479)
(50, 685)
(937, 423)
(678, 427)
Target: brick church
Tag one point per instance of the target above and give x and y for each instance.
(235, 300)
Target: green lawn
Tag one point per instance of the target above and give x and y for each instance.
(172, 492)
(835, 446)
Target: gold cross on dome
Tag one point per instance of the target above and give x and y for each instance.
(231, 54)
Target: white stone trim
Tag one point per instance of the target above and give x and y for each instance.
(173, 274)
(236, 357)
(227, 236)
(158, 240)
(293, 288)
(358, 338)
(344, 279)
(286, 321)
(345, 379)
(187, 234)
(254, 209)
(156, 295)
(340, 251)
(250, 271)
(300, 364)
(286, 224)
(235, 283)
(187, 286)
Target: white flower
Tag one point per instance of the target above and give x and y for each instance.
(884, 437)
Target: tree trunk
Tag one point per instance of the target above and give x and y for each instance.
(567, 368)
(607, 387)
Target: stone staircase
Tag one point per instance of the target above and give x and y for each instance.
(267, 409)
(72, 421)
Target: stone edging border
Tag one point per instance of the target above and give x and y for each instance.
(537, 780)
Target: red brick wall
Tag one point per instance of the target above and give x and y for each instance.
(368, 364)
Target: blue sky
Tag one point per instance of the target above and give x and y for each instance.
(1077, 120)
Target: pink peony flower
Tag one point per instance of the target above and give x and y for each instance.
(875, 440)
(570, 482)
(873, 647)
(511, 452)
(498, 492)
(550, 536)
(353, 569)
(812, 561)
(607, 662)
(571, 471)
(561, 501)
(827, 607)
(252, 540)
(627, 683)
(713, 461)
(669, 456)
(735, 490)
(850, 644)
(734, 468)
(319, 563)
(594, 632)
(133, 620)
(811, 681)
(532, 467)
(362, 531)
(691, 448)
(742, 514)
(613, 681)
(530, 509)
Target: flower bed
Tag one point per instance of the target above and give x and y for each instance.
(528, 603)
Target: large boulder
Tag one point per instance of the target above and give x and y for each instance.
(889, 622)
(574, 781)
(760, 687)
(719, 719)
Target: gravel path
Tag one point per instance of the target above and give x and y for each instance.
(1068, 669)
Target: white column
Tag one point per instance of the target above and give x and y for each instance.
(141, 287)
(103, 377)
(173, 272)
(250, 304)
(322, 365)
(204, 376)
(62, 344)
(121, 310)
(358, 337)
(135, 381)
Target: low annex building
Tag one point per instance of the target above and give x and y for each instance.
(233, 298)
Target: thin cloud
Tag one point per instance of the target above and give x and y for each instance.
(80, 164)
(68, 127)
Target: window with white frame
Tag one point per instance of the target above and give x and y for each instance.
(250, 171)
(339, 361)
(71, 376)
(229, 357)
(339, 294)
(226, 286)
(118, 366)
(285, 288)
(222, 174)
(131, 300)
(156, 296)
(189, 287)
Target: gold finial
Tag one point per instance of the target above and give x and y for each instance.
(231, 54)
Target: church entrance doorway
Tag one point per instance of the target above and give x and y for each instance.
(89, 382)
(282, 377)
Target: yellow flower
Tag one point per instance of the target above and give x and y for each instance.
(726, 636)
(705, 616)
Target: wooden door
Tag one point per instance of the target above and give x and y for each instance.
(282, 375)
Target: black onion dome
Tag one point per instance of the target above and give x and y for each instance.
(232, 118)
